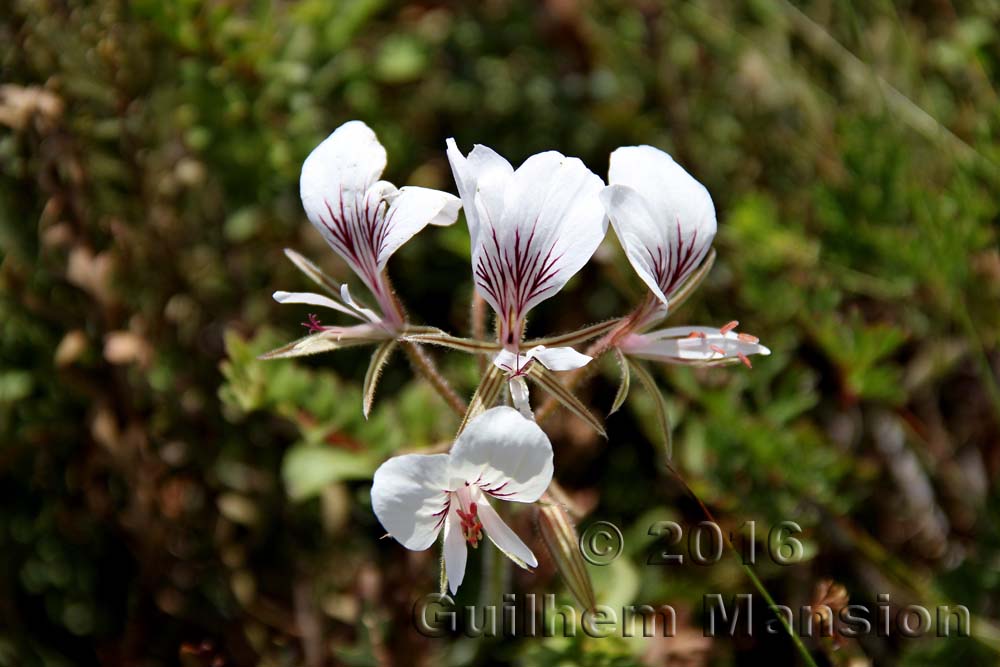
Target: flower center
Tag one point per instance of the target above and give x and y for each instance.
(468, 512)
(472, 527)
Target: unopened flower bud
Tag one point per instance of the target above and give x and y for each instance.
(563, 543)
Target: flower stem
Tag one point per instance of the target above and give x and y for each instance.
(596, 350)
(478, 317)
(426, 367)
(422, 362)
(758, 584)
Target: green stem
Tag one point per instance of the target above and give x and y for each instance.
(803, 651)
(425, 366)
(758, 584)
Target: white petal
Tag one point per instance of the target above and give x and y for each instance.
(313, 299)
(455, 551)
(552, 222)
(520, 396)
(366, 313)
(410, 210)
(640, 236)
(509, 362)
(668, 228)
(675, 345)
(504, 454)
(342, 167)
(345, 201)
(409, 497)
(505, 539)
(481, 177)
(559, 358)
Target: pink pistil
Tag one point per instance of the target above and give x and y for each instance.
(313, 325)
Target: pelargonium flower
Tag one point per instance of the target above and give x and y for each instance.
(694, 345)
(500, 456)
(532, 229)
(365, 220)
(665, 220)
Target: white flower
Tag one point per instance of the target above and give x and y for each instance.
(500, 455)
(693, 345)
(665, 221)
(663, 217)
(531, 229)
(364, 220)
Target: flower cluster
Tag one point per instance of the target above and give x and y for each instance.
(531, 229)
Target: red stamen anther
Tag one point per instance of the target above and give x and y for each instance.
(717, 349)
(744, 359)
(747, 338)
(729, 327)
(697, 334)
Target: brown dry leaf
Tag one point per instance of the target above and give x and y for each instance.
(73, 344)
(104, 429)
(90, 272)
(18, 104)
(125, 347)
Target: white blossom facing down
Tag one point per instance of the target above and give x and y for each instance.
(663, 217)
(366, 220)
(531, 228)
(500, 456)
(694, 345)
(665, 220)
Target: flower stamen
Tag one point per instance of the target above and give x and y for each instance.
(729, 327)
(313, 325)
(472, 527)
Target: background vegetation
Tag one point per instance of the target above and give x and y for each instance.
(166, 497)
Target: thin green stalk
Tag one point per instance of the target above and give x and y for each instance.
(758, 584)
(425, 366)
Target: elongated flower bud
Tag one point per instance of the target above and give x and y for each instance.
(563, 543)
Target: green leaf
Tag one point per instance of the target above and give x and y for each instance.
(308, 469)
